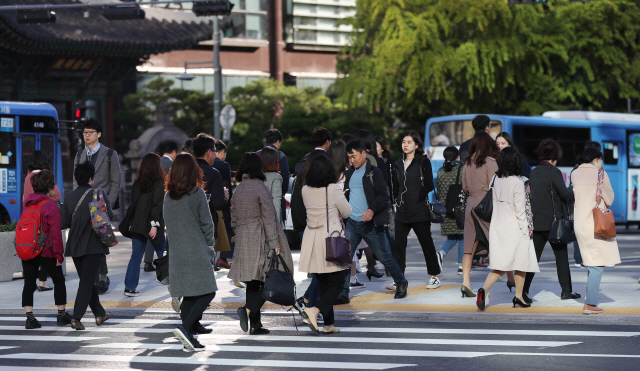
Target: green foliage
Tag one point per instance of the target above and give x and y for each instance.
(417, 58)
(11, 227)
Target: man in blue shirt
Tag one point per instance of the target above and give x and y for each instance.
(368, 196)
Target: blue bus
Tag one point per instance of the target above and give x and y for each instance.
(619, 135)
(25, 128)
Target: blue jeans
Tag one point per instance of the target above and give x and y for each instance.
(593, 285)
(377, 240)
(576, 253)
(451, 242)
(138, 244)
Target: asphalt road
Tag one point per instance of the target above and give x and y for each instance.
(366, 342)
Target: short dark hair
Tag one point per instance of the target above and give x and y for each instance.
(357, 145)
(367, 138)
(169, 147)
(416, 139)
(509, 163)
(272, 136)
(220, 146)
(84, 172)
(92, 124)
(202, 144)
(346, 138)
(43, 181)
(593, 144)
(481, 123)
(251, 164)
(588, 155)
(270, 159)
(320, 136)
(188, 146)
(321, 173)
(39, 161)
(549, 150)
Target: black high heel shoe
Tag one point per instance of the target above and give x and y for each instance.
(510, 285)
(526, 298)
(481, 299)
(373, 273)
(519, 302)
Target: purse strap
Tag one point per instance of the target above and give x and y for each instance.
(599, 188)
(326, 190)
(458, 176)
(79, 202)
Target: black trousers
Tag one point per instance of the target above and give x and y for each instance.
(42, 274)
(255, 301)
(30, 274)
(540, 239)
(423, 231)
(330, 287)
(192, 308)
(87, 267)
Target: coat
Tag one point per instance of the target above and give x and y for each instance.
(412, 188)
(545, 178)
(148, 210)
(165, 163)
(476, 181)
(375, 191)
(313, 252)
(190, 230)
(274, 184)
(225, 172)
(107, 176)
(81, 240)
(446, 179)
(50, 221)
(254, 220)
(595, 250)
(511, 246)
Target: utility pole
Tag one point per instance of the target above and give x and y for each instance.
(217, 78)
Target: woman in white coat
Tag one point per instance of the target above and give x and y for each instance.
(511, 246)
(596, 251)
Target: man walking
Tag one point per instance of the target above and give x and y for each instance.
(225, 170)
(273, 139)
(368, 196)
(321, 139)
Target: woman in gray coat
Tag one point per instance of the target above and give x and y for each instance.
(190, 230)
(258, 231)
(271, 167)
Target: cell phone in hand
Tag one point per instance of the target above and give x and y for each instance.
(208, 196)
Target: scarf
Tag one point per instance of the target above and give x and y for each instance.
(527, 191)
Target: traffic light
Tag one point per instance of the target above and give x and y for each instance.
(79, 111)
(36, 16)
(209, 8)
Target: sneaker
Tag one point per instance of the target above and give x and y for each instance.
(184, 338)
(610, 265)
(32, 323)
(64, 319)
(391, 287)
(577, 265)
(300, 305)
(197, 347)
(175, 303)
(440, 258)
(434, 283)
(131, 293)
(320, 318)
(239, 284)
(342, 299)
(459, 271)
(357, 284)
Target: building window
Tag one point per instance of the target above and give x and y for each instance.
(248, 26)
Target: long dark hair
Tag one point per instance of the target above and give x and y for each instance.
(338, 155)
(450, 155)
(251, 165)
(386, 152)
(509, 163)
(321, 172)
(150, 172)
(483, 146)
(300, 178)
(588, 155)
(184, 175)
(506, 137)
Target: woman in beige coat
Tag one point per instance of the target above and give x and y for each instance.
(324, 201)
(596, 251)
(479, 168)
(511, 239)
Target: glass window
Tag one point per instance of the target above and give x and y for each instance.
(454, 133)
(7, 150)
(305, 35)
(610, 152)
(248, 26)
(572, 140)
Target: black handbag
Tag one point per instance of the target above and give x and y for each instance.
(279, 286)
(338, 249)
(125, 225)
(162, 269)
(485, 208)
(561, 229)
(460, 211)
(437, 210)
(453, 196)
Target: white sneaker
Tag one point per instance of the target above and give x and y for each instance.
(460, 271)
(175, 304)
(391, 287)
(440, 259)
(577, 265)
(239, 284)
(610, 265)
(434, 283)
(357, 284)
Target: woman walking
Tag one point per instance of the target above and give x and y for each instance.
(549, 194)
(504, 140)
(479, 168)
(147, 222)
(258, 231)
(325, 202)
(590, 181)
(271, 160)
(412, 182)
(190, 229)
(449, 174)
(43, 186)
(511, 244)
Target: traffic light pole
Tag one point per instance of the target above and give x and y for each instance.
(217, 78)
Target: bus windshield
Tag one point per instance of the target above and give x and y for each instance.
(454, 133)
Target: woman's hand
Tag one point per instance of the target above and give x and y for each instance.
(58, 263)
(277, 251)
(153, 232)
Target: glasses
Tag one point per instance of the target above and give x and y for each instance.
(89, 133)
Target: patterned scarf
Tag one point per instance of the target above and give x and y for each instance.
(527, 191)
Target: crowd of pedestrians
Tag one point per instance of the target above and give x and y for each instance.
(184, 205)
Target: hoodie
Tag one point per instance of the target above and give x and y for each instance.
(50, 225)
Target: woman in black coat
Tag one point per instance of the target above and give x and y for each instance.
(412, 182)
(147, 222)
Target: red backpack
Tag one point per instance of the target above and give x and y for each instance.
(30, 238)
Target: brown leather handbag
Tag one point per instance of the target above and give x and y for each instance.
(604, 222)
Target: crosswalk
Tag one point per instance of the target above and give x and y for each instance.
(147, 343)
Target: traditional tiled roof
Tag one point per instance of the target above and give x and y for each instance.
(95, 35)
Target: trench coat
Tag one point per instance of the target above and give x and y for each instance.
(257, 229)
(476, 181)
(313, 253)
(596, 251)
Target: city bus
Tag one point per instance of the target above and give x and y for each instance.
(25, 128)
(618, 134)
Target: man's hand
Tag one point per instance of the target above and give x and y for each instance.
(367, 215)
(153, 232)
(226, 193)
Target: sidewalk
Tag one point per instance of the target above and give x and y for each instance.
(619, 292)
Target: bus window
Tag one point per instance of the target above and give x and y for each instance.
(454, 133)
(610, 152)
(7, 150)
(572, 140)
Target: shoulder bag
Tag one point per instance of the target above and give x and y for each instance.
(125, 225)
(100, 219)
(485, 208)
(604, 222)
(338, 248)
(437, 210)
(279, 286)
(453, 196)
(561, 229)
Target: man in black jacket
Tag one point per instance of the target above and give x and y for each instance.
(321, 139)
(479, 123)
(225, 170)
(368, 196)
(204, 148)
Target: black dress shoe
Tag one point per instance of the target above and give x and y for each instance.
(44, 288)
(76, 324)
(100, 320)
(342, 299)
(198, 329)
(64, 320)
(148, 267)
(573, 295)
(32, 323)
(258, 331)
(401, 290)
